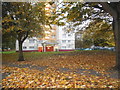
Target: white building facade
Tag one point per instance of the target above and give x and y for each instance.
(66, 41)
(30, 44)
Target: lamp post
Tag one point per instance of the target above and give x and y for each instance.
(44, 48)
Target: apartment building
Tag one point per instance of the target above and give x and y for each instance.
(56, 38)
(30, 44)
(66, 41)
(48, 42)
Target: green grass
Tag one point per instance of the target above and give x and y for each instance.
(8, 52)
(12, 56)
(59, 52)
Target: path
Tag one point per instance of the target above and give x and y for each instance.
(113, 74)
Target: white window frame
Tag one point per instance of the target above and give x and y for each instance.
(24, 47)
(64, 35)
(64, 47)
(63, 41)
(31, 47)
(69, 41)
(31, 40)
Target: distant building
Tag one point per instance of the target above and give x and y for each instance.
(47, 43)
(55, 39)
(66, 41)
(79, 40)
(30, 44)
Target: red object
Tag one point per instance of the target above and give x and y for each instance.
(49, 48)
(40, 49)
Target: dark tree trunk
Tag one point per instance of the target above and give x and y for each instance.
(21, 38)
(117, 40)
(114, 10)
(21, 57)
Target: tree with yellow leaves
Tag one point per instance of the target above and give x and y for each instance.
(23, 20)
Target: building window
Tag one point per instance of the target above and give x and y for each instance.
(69, 41)
(53, 36)
(63, 41)
(31, 47)
(64, 35)
(32, 41)
(24, 47)
(69, 46)
(47, 37)
(63, 47)
(69, 35)
(39, 41)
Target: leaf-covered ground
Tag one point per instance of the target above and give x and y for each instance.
(60, 70)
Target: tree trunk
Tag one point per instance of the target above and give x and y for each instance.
(117, 40)
(113, 10)
(21, 57)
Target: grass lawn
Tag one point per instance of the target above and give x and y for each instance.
(8, 52)
(68, 59)
(51, 77)
(12, 56)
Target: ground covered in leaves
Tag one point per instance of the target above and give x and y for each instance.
(79, 69)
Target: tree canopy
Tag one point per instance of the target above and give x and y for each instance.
(79, 12)
(101, 33)
(23, 20)
(76, 13)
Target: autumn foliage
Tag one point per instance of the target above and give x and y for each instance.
(61, 70)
